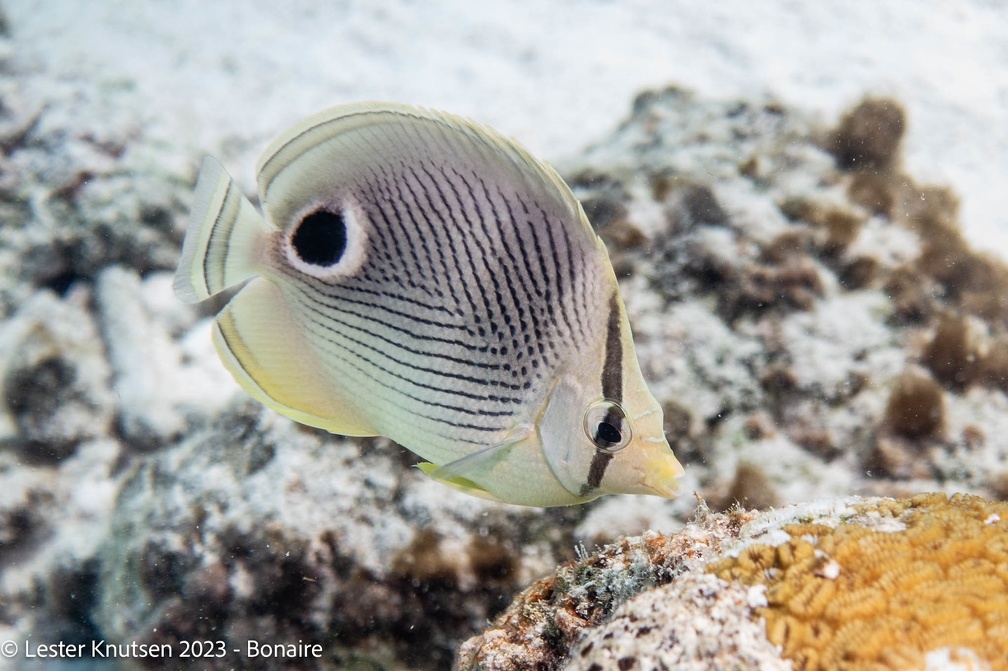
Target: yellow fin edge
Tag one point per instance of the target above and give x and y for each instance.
(458, 483)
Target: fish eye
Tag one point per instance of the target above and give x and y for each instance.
(320, 238)
(607, 427)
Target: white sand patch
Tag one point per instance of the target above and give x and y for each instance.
(225, 77)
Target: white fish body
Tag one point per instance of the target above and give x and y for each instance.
(417, 276)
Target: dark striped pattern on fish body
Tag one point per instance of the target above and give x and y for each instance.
(426, 280)
(471, 297)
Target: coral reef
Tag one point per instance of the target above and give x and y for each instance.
(54, 378)
(80, 194)
(916, 406)
(795, 293)
(539, 628)
(255, 525)
(685, 625)
(829, 585)
(868, 136)
(855, 596)
(809, 316)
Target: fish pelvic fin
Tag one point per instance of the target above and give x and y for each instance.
(457, 482)
(225, 238)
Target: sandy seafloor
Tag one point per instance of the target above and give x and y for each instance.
(224, 77)
(557, 75)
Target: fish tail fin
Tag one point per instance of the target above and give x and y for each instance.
(225, 238)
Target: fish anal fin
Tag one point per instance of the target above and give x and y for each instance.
(265, 350)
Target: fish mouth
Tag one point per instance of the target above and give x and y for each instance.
(662, 475)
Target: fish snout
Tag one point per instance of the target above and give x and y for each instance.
(662, 472)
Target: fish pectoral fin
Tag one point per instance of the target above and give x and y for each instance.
(469, 464)
(457, 483)
(264, 348)
(456, 473)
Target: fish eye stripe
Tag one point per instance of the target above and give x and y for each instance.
(612, 366)
(607, 434)
(606, 425)
(596, 471)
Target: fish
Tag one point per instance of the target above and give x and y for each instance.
(419, 276)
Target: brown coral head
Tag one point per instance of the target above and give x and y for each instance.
(752, 488)
(869, 135)
(953, 355)
(916, 406)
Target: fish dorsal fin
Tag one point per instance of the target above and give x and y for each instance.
(264, 348)
(340, 139)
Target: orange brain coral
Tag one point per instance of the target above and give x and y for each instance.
(850, 597)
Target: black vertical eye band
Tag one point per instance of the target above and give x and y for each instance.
(607, 427)
(612, 366)
(605, 423)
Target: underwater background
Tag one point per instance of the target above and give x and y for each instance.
(804, 205)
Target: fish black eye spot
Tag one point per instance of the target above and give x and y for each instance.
(607, 434)
(321, 238)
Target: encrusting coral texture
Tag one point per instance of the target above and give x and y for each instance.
(854, 597)
(836, 585)
(541, 625)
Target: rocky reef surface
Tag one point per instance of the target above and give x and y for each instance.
(810, 317)
(854, 583)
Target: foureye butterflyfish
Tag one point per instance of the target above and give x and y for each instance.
(418, 276)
